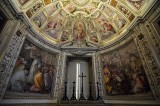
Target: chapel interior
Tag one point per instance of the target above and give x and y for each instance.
(79, 52)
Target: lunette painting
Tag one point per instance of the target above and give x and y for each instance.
(33, 72)
(123, 72)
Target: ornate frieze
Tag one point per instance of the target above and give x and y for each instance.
(153, 31)
(149, 62)
(153, 37)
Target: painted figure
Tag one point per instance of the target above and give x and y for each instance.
(47, 78)
(70, 8)
(33, 71)
(94, 38)
(137, 3)
(39, 19)
(35, 59)
(64, 36)
(53, 28)
(110, 12)
(90, 8)
(50, 9)
(105, 28)
(124, 73)
(79, 32)
(107, 79)
(22, 2)
(19, 78)
(38, 82)
(124, 10)
(119, 21)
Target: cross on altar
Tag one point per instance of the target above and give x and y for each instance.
(82, 95)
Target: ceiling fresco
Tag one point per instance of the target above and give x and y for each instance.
(96, 21)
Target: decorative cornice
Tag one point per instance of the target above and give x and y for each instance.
(79, 53)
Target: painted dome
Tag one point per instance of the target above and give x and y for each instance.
(81, 21)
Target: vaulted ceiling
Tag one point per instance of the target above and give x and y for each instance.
(95, 21)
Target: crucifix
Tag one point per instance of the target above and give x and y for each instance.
(82, 95)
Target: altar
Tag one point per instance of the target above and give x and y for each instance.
(79, 83)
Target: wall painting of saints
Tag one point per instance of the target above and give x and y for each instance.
(33, 72)
(124, 73)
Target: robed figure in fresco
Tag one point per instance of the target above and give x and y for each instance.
(107, 79)
(79, 33)
(124, 73)
(137, 3)
(33, 71)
